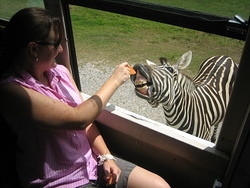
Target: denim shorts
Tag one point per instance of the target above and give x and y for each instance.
(126, 168)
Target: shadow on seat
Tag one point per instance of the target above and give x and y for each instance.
(9, 177)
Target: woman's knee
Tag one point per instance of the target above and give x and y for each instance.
(142, 178)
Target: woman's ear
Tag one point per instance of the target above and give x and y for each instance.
(33, 49)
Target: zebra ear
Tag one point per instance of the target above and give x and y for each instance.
(150, 63)
(184, 60)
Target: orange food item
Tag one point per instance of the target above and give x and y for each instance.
(131, 70)
(109, 181)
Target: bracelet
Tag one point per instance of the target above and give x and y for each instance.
(103, 158)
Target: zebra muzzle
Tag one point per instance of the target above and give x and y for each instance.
(141, 84)
(141, 80)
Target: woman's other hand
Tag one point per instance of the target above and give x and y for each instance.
(112, 172)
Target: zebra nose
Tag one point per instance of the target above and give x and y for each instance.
(132, 77)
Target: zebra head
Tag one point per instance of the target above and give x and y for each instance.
(156, 83)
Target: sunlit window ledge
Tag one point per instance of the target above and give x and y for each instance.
(156, 126)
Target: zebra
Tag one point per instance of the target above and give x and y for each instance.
(195, 106)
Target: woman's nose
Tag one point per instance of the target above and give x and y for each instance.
(60, 48)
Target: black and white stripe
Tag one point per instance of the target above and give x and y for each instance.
(195, 106)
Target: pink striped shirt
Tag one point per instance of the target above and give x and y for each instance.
(53, 158)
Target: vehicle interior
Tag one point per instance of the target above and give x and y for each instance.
(182, 159)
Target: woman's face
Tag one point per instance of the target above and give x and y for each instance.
(48, 50)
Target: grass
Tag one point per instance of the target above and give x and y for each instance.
(227, 8)
(112, 38)
(9, 7)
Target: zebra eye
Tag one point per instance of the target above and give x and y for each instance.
(170, 69)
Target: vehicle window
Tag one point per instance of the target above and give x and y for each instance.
(105, 39)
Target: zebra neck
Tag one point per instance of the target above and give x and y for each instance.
(185, 83)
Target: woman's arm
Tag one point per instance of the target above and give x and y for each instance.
(96, 140)
(20, 105)
(111, 170)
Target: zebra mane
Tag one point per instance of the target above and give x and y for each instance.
(189, 82)
(186, 75)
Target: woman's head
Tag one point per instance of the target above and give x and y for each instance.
(28, 25)
(31, 24)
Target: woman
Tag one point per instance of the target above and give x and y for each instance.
(58, 143)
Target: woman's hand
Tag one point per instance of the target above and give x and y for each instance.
(121, 73)
(112, 172)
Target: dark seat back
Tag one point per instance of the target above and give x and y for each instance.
(9, 177)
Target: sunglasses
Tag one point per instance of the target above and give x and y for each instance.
(55, 44)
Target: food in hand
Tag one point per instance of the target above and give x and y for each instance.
(131, 70)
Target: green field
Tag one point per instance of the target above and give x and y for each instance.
(9, 7)
(112, 38)
(226, 8)
(109, 38)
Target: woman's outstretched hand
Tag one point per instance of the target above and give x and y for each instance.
(121, 74)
